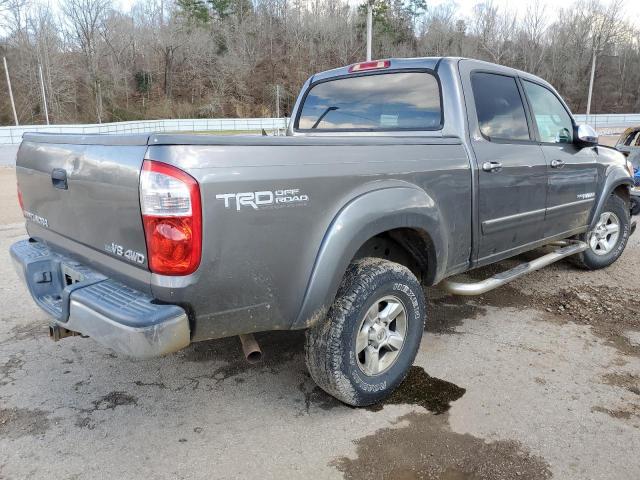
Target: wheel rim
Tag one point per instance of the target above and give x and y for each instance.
(381, 335)
(604, 236)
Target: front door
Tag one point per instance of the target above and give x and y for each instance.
(572, 169)
(512, 176)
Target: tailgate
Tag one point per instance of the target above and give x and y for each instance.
(83, 189)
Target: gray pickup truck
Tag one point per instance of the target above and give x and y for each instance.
(394, 175)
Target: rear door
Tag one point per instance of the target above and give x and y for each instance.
(512, 177)
(572, 170)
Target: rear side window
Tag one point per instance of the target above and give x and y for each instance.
(632, 140)
(499, 107)
(389, 101)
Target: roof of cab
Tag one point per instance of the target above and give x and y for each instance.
(431, 63)
(396, 63)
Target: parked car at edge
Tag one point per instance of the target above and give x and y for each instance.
(395, 174)
(629, 145)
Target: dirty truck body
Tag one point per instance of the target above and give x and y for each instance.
(448, 173)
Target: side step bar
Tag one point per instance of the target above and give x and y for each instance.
(478, 288)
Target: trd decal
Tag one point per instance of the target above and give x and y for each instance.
(264, 199)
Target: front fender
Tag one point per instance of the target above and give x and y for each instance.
(615, 175)
(361, 219)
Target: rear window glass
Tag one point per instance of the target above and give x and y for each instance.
(390, 101)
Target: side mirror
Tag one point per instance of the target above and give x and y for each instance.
(586, 136)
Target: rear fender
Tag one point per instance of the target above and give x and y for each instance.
(361, 219)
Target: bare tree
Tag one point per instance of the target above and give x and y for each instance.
(85, 19)
(194, 58)
(494, 30)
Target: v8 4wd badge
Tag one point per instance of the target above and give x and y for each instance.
(128, 254)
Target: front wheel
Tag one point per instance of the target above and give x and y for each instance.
(609, 238)
(364, 347)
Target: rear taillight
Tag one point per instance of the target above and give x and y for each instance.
(172, 217)
(375, 65)
(20, 201)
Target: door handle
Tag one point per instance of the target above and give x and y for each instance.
(59, 178)
(557, 163)
(491, 166)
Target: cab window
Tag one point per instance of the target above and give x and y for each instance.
(379, 102)
(552, 119)
(499, 107)
(632, 139)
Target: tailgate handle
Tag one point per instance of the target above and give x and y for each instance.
(59, 178)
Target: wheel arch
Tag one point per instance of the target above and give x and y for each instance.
(406, 216)
(411, 247)
(617, 181)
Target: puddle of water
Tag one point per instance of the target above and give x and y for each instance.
(445, 313)
(426, 448)
(419, 388)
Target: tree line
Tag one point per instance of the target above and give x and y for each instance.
(224, 58)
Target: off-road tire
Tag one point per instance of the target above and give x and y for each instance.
(589, 259)
(330, 344)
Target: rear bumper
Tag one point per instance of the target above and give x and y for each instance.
(82, 300)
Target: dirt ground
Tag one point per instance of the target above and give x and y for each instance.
(10, 211)
(539, 379)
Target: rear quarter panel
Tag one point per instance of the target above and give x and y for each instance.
(257, 263)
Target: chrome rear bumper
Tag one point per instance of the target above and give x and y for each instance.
(84, 301)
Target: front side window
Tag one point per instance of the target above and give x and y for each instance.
(389, 101)
(552, 119)
(499, 107)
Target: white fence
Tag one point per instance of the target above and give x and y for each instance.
(13, 135)
(617, 121)
(606, 123)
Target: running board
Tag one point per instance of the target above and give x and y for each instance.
(478, 288)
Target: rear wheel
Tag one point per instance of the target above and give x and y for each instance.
(609, 237)
(364, 347)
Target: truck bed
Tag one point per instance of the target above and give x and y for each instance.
(243, 283)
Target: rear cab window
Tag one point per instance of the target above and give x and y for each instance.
(499, 106)
(373, 102)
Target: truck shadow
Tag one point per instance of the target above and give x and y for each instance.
(445, 312)
(277, 348)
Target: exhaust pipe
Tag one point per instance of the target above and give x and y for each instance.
(56, 332)
(251, 349)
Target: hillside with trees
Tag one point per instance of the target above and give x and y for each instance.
(224, 58)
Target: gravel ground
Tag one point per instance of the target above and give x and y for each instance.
(538, 379)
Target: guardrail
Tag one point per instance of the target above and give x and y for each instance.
(13, 135)
(605, 123)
